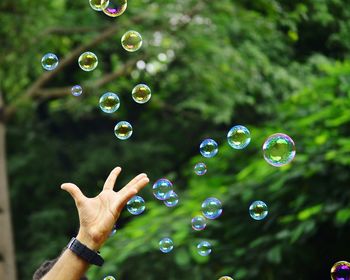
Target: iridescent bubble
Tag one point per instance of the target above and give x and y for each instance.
(258, 210)
(238, 137)
(109, 102)
(225, 278)
(161, 188)
(279, 149)
(131, 41)
(49, 61)
(171, 199)
(208, 148)
(211, 208)
(116, 8)
(77, 90)
(199, 223)
(109, 278)
(123, 130)
(136, 205)
(200, 169)
(114, 230)
(88, 61)
(340, 271)
(141, 93)
(166, 245)
(204, 248)
(99, 5)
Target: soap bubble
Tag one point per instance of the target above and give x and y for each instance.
(114, 230)
(208, 148)
(131, 41)
(279, 149)
(49, 61)
(123, 130)
(341, 271)
(116, 9)
(88, 61)
(77, 90)
(211, 208)
(161, 188)
(99, 5)
(166, 245)
(171, 199)
(141, 93)
(200, 169)
(109, 102)
(199, 223)
(238, 137)
(109, 278)
(225, 278)
(136, 205)
(258, 210)
(204, 248)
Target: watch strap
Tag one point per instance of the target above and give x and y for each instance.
(84, 252)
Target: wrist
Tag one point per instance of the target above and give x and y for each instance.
(88, 241)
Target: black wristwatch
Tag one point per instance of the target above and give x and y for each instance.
(84, 252)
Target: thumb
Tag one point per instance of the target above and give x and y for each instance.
(74, 191)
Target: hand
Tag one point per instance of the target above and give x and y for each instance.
(99, 214)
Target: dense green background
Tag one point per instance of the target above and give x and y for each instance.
(273, 66)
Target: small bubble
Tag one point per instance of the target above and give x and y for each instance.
(49, 61)
(131, 41)
(279, 149)
(117, 8)
(199, 223)
(204, 248)
(123, 130)
(208, 148)
(161, 188)
(171, 199)
(88, 61)
(166, 245)
(200, 169)
(109, 102)
(258, 210)
(238, 137)
(211, 208)
(141, 93)
(77, 90)
(136, 205)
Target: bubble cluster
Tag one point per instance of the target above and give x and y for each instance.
(238, 137)
(258, 210)
(225, 278)
(141, 93)
(340, 271)
(109, 102)
(131, 41)
(166, 245)
(123, 130)
(88, 61)
(77, 90)
(204, 248)
(109, 278)
(200, 169)
(136, 205)
(208, 148)
(49, 61)
(211, 208)
(171, 199)
(279, 149)
(161, 188)
(99, 5)
(199, 223)
(116, 8)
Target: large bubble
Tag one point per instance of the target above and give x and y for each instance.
(131, 41)
(341, 271)
(211, 208)
(279, 149)
(238, 137)
(116, 8)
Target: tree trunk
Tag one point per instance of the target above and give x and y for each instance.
(7, 253)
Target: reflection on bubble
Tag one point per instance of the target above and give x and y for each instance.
(166, 245)
(109, 102)
(77, 90)
(204, 248)
(199, 223)
(200, 169)
(123, 130)
(131, 41)
(49, 61)
(208, 148)
(341, 271)
(88, 61)
(141, 93)
(279, 149)
(161, 188)
(225, 278)
(99, 5)
(171, 199)
(238, 137)
(116, 8)
(136, 205)
(109, 278)
(258, 210)
(211, 208)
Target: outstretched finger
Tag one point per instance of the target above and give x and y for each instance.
(125, 192)
(110, 182)
(74, 191)
(136, 179)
